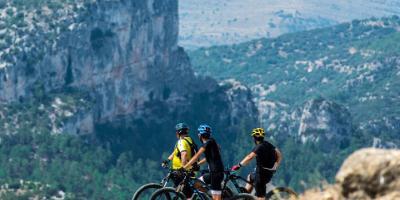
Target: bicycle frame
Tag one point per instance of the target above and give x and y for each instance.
(233, 178)
(191, 182)
(166, 179)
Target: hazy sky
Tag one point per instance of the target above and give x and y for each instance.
(202, 20)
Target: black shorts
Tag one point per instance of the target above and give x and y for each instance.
(214, 179)
(260, 178)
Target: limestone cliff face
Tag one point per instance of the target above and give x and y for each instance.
(325, 122)
(124, 54)
(124, 51)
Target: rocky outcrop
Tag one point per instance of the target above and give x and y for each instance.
(365, 175)
(325, 121)
(240, 98)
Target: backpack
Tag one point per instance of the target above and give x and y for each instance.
(193, 147)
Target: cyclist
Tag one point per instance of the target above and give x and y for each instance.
(213, 157)
(268, 158)
(183, 152)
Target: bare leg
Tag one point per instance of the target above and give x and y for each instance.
(249, 187)
(216, 197)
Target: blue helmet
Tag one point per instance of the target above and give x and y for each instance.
(205, 130)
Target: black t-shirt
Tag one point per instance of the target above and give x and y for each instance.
(266, 155)
(213, 156)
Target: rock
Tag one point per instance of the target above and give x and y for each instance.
(365, 175)
(240, 98)
(326, 122)
(370, 173)
(328, 193)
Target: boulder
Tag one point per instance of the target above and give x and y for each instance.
(370, 174)
(365, 175)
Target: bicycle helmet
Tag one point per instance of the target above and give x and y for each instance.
(181, 127)
(258, 132)
(204, 130)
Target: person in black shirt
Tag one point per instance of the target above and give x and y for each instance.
(213, 157)
(268, 158)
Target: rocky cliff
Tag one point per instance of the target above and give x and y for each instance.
(122, 55)
(325, 122)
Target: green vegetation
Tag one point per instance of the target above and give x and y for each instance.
(28, 4)
(33, 27)
(110, 166)
(44, 113)
(69, 164)
(353, 64)
(90, 170)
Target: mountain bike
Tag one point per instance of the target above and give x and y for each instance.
(145, 191)
(199, 188)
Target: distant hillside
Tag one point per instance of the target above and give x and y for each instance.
(321, 94)
(356, 65)
(207, 22)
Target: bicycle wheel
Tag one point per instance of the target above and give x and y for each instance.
(243, 196)
(167, 193)
(281, 193)
(146, 191)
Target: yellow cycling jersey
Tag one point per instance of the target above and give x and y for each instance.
(181, 145)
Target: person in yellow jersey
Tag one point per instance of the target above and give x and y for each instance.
(184, 150)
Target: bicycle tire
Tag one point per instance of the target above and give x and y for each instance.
(243, 196)
(287, 193)
(169, 193)
(143, 188)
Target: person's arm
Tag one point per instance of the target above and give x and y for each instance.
(202, 161)
(170, 157)
(184, 157)
(165, 163)
(195, 158)
(247, 159)
(278, 157)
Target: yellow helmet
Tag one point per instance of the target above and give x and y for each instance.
(258, 132)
